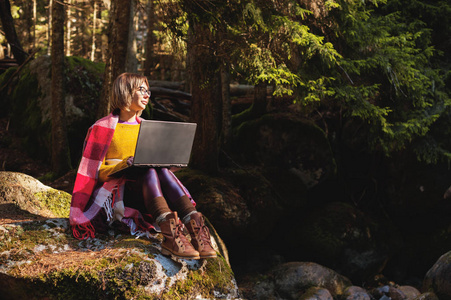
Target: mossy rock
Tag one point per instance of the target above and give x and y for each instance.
(30, 195)
(44, 261)
(40, 259)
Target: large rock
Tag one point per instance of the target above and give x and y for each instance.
(293, 280)
(341, 237)
(40, 259)
(438, 278)
(23, 197)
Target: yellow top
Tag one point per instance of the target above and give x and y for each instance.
(122, 147)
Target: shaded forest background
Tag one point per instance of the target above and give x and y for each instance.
(372, 76)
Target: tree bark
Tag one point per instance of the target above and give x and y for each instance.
(118, 33)
(68, 29)
(94, 28)
(206, 97)
(149, 63)
(226, 106)
(60, 146)
(49, 27)
(10, 32)
(131, 63)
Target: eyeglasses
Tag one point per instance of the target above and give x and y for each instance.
(144, 91)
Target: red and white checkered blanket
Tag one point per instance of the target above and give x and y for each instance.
(90, 196)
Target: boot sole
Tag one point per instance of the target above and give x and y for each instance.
(166, 252)
(209, 256)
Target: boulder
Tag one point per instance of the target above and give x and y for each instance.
(22, 196)
(292, 280)
(342, 237)
(356, 293)
(427, 296)
(438, 278)
(316, 293)
(409, 291)
(40, 259)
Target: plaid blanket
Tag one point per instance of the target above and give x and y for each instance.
(89, 196)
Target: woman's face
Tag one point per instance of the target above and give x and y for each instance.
(140, 98)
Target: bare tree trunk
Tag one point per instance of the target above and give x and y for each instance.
(28, 16)
(10, 32)
(131, 64)
(94, 28)
(226, 106)
(149, 63)
(49, 28)
(68, 28)
(60, 146)
(118, 33)
(34, 23)
(206, 97)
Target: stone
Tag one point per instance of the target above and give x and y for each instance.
(291, 280)
(40, 259)
(356, 293)
(438, 278)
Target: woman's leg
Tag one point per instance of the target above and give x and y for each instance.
(175, 193)
(194, 221)
(174, 241)
(154, 201)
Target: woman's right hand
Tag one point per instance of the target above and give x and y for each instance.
(130, 160)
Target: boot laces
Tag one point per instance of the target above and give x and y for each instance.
(179, 233)
(203, 233)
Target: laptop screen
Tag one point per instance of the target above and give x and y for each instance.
(163, 143)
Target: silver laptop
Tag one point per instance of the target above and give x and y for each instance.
(162, 144)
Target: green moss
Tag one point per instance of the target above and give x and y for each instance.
(216, 275)
(90, 66)
(57, 202)
(115, 277)
(126, 241)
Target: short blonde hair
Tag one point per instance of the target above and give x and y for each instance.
(123, 88)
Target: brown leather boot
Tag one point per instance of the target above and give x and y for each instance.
(200, 236)
(175, 242)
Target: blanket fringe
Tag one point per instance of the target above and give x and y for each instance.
(83, 231)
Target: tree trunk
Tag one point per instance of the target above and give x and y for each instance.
(206, 97)
(49, 28)
(68, 28)
(226, 106)
(28, 16)
(118, 32)
(60, 146)
(149, 63)
(131, 64)
(94, 28)
(34, 23)
(10, 32)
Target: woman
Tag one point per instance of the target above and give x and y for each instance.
(100, 201)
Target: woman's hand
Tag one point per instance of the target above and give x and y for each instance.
(130, 160)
